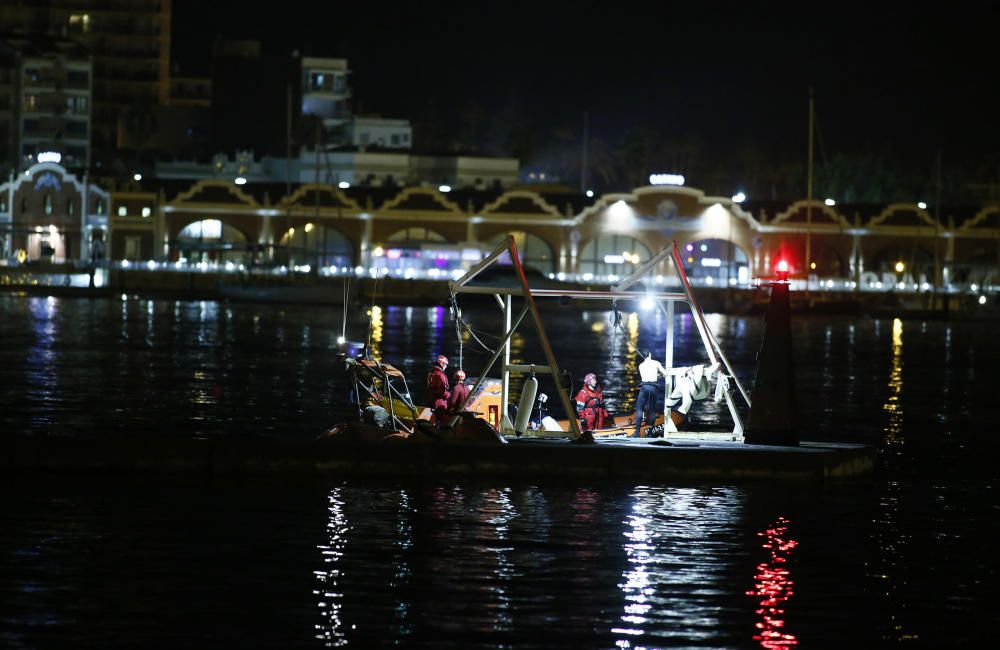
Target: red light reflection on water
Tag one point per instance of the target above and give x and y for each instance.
(773, 586)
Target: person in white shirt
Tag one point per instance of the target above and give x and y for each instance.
(645, 403)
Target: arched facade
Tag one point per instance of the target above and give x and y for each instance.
(563, 234)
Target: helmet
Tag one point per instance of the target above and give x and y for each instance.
(442, 360)
(588, 377)
(460, 375)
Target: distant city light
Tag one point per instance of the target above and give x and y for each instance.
(343, 185)
(444, 188)
(922, 205)
(830, 202)
(240, 180)
(739, 197)
(49, 156)
(666, 179)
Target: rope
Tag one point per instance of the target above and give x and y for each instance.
(457, 315)
(616, 322)
(459, 323)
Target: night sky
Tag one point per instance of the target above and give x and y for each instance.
(906, 82)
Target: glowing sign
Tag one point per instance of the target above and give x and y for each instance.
(666, 179)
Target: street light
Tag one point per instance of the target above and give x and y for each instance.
(900, 267)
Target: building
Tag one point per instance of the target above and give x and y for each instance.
(363, 132)
(45, 102)
(129, 41)
(215, 224)
(327, 96)
(48, 214)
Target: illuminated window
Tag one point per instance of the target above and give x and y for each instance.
(133, 247)
(79, 23)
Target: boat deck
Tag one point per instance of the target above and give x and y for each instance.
(523, 459)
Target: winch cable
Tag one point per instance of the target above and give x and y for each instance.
(616, 323)
(459, 323)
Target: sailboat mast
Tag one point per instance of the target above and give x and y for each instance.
(809, 197)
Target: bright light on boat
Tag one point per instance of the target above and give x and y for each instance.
(240, 180)
(922, 205)
(444, 188)
(830, 202)
(343, 185)
(739, 197)
(341, 340)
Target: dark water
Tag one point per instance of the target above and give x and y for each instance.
(905, 558)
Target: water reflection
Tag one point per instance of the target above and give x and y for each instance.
(376, 331)
(678, 555)
(893, 405)
(331, 597)
(773, 586)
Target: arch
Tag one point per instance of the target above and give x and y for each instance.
(611, 254)
(320, 245)
(534, 251)
(416, 251)
(211, 241)
(917, 261)
(716, 262)
(415, 235)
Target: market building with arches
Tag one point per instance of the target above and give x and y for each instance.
(48, 215)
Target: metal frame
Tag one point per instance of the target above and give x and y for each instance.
(619, 291)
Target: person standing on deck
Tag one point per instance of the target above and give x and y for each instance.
(459, 391)
(645, 402)
(590, 404)
(437, 388)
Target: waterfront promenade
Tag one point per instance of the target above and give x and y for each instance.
(304, 288)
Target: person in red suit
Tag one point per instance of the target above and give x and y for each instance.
(459, 391)
(437, 388)
(590, 404)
